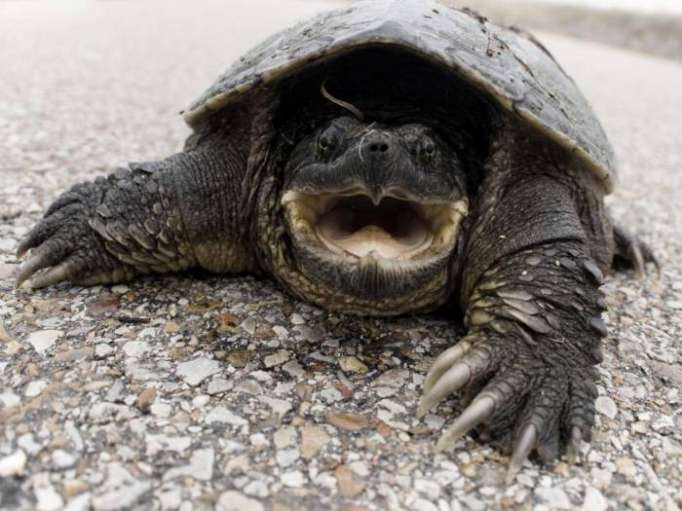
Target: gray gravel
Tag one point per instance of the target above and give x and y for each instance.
(195, 392)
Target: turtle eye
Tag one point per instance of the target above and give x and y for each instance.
(328, 141)
(424, 148)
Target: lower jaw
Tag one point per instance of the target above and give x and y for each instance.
(369, 288)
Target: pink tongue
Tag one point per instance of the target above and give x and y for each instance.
(371, 239)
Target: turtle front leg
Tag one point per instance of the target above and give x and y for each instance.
(528, 359)
(154, 217)
(531, 278)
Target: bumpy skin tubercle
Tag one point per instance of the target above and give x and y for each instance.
(149, 218)
(533, 308)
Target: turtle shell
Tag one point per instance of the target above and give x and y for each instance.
(508, 65)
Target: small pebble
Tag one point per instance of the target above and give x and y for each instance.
(293, 479)
(13, 464)
(43, 340)
(197, 370)
(594, 500)
(35, 387)
(606, 406)
(62, 459)
(235, 501)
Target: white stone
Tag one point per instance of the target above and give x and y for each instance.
(556, 498)
(62, 459)
(360, 468)
(287, 457)
(170, 498)
(428, 488)
(671, 447)
(13, 464)
(34, 388)
(594, 500)
(280, 331)
(28, 444)
(606, 406)
(7, 245)
(9, 399)
(297, 319)
(294, 479)
(218, 386)
(392, 406)
(79, 503)
(235, 501)
(103, 350)
(285, 437)
(330, 395)
(48, 499)
(120, 491)
(135, 349)
(259, 440)
(222, 414)
(279, 406)
(294, 369)
(147, 332)
(674, 304)
(160, 409)
(261, 376)
(277, 358)
(423, 505)
(197, 370)
(200, 401)
(249, 326)
(43, 340)
(473, 503)
(200, 466)
(257, 488)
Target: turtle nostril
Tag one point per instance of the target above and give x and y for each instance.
(378, 147)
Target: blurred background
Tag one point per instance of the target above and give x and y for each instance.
(651, 26)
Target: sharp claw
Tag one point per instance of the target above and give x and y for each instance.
(523, 448)
(444, 361)
(23, 247)
(37, 262)
(453, 380)
(639, 262)
(51, 277)
(477, 412)
(574, 445)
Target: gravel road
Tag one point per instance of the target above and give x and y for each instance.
(200, 392)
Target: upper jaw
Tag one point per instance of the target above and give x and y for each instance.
(387, 227)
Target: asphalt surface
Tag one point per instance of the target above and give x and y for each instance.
(188, 392)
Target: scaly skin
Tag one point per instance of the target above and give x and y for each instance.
(149, 218)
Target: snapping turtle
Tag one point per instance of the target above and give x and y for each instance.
(390, 157)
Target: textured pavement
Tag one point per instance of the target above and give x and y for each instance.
(201, 392)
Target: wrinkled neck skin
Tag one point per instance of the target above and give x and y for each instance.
(364, 217)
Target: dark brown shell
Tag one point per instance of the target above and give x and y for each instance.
(510, 65)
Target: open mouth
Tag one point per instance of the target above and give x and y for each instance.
(390, 229)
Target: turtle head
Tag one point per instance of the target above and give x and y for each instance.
(372, 212)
